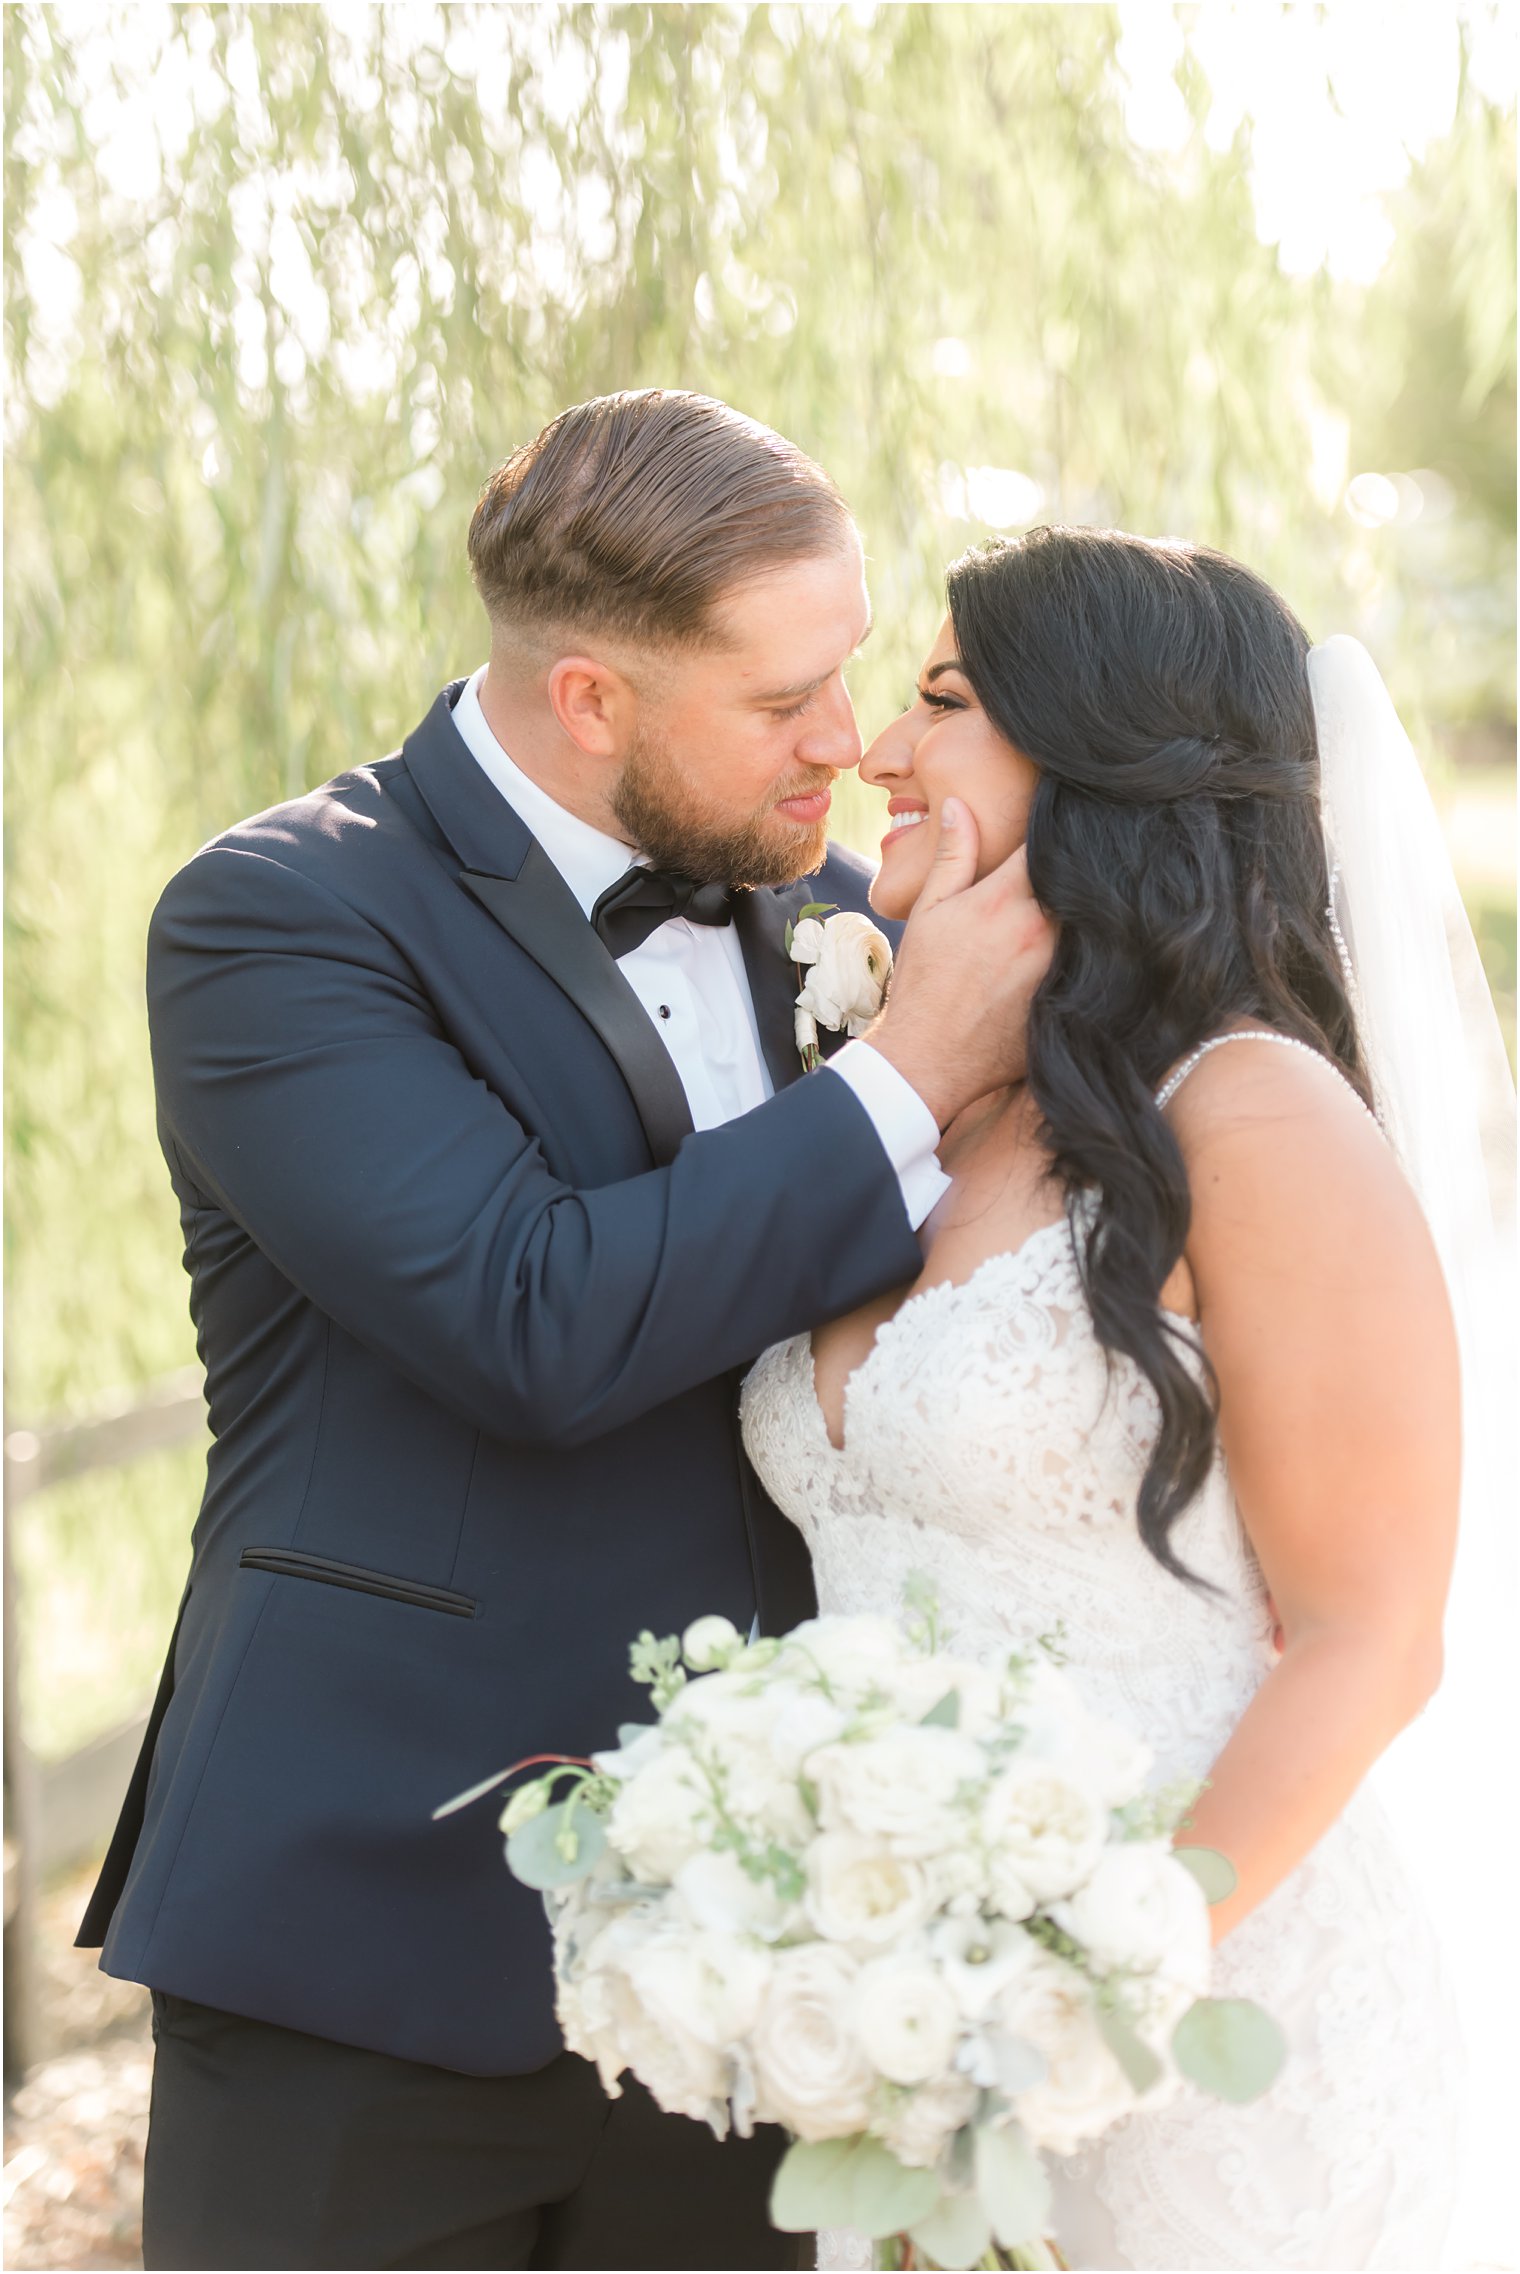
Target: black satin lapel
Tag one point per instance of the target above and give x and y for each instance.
(544, 917)
(761, 918)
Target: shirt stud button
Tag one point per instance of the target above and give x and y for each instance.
(664, 1010)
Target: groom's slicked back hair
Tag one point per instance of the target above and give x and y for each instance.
(632, 515)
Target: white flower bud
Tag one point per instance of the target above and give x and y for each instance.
(709, 1643)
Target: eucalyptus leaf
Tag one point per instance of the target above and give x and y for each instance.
(811, 2188)
(629, 1732)
(1229, 2047)
(817, 908)
(1131, 2052)
(945, 1714)
(1214, 1873)
(885, 2195)
(1011, 2181)
(956, 2233)
(535, 1852)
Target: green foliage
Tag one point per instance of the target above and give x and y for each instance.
(849, 2183)
(1012, 2184)
(1229, 2047)
(370, 253)
(957, 2232)
(1214, 1873)
(657, 1664)
(557, 1846)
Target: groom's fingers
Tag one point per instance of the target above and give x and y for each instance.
(955, 856)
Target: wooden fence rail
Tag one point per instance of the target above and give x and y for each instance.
(58, 1813)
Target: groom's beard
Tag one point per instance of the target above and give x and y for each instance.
(660, 812)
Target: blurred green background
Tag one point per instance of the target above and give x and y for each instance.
(282, 284)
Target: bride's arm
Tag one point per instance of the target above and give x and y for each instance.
(1325, 1314)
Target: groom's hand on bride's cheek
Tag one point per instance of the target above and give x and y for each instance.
(971, 958)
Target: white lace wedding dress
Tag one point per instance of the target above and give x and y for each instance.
(985, 1447)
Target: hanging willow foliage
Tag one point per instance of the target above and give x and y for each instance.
(282, 286)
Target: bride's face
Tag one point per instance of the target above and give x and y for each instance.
(943, 746)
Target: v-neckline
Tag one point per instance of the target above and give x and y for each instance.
(935, 1287)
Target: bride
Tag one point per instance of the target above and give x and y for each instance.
(1179, 1373)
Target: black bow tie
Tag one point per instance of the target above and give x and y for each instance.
(640, 902)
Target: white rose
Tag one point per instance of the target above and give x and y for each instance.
(662, 1815)
(805, 1720)
(603, 2018)
(708, 1643)
(902, 1787)
(720, 1894)
(1058, 1726)
(706, 1985)
(860, 1892)
(850, 963)
(846, 1654)
(1044, 1832)
(1143, 1909)
(920, 2124)
(810, 2072)
(979, 1958)
(625, 1761)
(906, 2019)
(1084, 2089)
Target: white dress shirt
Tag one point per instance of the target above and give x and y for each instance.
(692, 981)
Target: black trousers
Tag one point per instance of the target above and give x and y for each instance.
(269, 2148)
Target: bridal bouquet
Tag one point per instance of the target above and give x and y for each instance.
(922, 1912)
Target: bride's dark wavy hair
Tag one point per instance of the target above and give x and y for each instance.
(1174, 837)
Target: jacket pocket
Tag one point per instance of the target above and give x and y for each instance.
(292, 1563)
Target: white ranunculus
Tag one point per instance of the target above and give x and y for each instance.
(707, 1985)
(662, 1815)
(721, 1895)
(1142, 1908)
(918, 2126)
(860, 1893)
(920, 1683)
(979, 1958)
(903, 1787)
(849, 964)
(810, 2072)
(1044, 1830)
(729, 1721)
(1084, 2089)
(906, 2019)
(708, 1643)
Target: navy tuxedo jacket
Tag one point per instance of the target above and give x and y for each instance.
(473, 1303)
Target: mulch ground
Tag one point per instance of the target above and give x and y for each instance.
(74, 2131)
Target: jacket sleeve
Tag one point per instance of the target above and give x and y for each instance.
(305, 1086)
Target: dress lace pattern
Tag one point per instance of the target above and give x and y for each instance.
(991, 1447)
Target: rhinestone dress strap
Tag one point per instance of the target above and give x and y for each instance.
(1179, 1074)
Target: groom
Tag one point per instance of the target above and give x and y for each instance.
(479, 1093)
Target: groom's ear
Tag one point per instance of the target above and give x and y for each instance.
(593, 703)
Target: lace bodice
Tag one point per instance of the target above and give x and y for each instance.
(987, 1442)
(991, 1447)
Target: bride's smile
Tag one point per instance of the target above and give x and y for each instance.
(943, 745)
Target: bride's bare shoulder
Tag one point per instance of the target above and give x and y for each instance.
(1285, 1161)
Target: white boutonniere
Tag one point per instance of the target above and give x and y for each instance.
(848, 965)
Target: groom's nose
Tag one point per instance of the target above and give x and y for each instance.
(832, 737)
